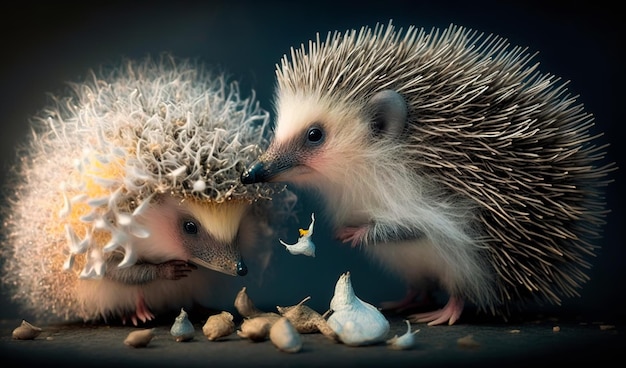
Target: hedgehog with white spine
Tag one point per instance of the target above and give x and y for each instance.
(128, 184)
(448, 157)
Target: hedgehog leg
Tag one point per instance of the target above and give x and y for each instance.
(449, 313)
(414, 298)
(141, 273)
(377, 233)
(353, 234)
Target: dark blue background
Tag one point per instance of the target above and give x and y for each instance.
(43, 46)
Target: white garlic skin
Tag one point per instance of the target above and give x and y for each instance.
(285, 336)
(139, 338)
(182, 329)
(354, 321)
(218, 326)
(405, 341)
(26, 331)
(304, 245)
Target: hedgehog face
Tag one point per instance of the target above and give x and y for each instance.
(320, 141)
(199, 231)
(305, 142)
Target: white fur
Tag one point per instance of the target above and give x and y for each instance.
(367, 181)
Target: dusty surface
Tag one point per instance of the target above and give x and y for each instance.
(512, 344)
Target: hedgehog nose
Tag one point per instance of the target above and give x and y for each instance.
(242, 269)
(250, 176)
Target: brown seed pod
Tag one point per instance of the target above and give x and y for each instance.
(325, 329)
(139, 338)
(218, 326)
(303, 318)
(244, 304)
(306, 320)
(26, 331)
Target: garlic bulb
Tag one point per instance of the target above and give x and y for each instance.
(219, 325)
(182, 329)
(354, 321)
(304, 245)
(403, 342)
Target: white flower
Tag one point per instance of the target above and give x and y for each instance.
(304, 245)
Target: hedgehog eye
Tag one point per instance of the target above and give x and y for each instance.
(315, 135)
(190, 227)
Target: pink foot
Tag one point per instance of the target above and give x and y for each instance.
(413, 299)
(142, 312)
(352, 234)
(449, 313)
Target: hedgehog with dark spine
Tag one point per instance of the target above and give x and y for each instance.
(128, 184)
(446, 156)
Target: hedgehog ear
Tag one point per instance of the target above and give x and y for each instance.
(389, 113)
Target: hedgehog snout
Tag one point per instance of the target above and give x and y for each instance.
(269, 167)
(242, 269)
(253, 173)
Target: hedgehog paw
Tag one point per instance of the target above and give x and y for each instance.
(352, 234)
(142, 312)
(174, 270)
(449, 313)
(413, 299)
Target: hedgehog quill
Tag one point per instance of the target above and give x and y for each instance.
(126, 199)
(446, 156)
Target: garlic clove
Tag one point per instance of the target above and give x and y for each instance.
(182, 329)
(354, 321)
(257, 328)
(468, 342)
(26, 331)
(244, 304)
(285, 336)
(405, 341)
(218, 326)
(139, 338)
